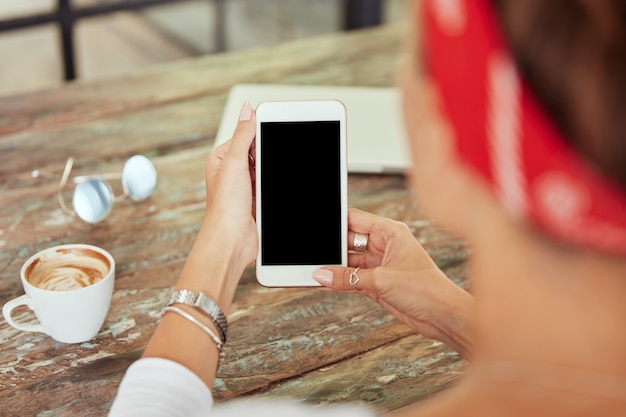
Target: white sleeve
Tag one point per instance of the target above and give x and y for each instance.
(285, 408)
(158, 387)
(155, 387)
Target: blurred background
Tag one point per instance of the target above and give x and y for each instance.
(108, 41)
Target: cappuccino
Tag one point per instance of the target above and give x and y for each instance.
(69, 288)
(67, 269)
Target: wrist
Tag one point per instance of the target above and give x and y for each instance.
(204, 304)
(214, 266)
(237, 237)
(451, 324)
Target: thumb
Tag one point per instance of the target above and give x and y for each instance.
(340, 278)
(244, 131)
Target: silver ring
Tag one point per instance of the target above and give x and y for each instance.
(360, 242)
(354, 278)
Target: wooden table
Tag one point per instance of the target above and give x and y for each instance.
(308, 344)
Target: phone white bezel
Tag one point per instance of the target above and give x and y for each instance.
(300, 111)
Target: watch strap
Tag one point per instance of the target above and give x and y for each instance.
(205, 304)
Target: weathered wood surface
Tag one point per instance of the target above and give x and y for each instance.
(300, 343)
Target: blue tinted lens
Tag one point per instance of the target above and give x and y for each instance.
(93, 200)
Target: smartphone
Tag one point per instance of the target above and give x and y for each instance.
(301, 190)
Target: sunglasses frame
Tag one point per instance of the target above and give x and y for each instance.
(100, 179)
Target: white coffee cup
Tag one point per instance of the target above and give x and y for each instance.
(69, 288)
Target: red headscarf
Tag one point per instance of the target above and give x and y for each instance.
(502, 131)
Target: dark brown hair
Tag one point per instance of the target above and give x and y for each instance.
(572, 53)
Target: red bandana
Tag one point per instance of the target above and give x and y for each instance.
(504, 133)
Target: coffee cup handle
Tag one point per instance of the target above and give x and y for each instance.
(7, 311)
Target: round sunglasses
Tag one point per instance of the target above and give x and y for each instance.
(93, 197)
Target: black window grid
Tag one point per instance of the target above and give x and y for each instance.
(356, 14)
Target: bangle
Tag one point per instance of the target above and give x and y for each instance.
(205, 304)
(202, 326)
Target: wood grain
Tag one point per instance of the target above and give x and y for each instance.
(308, 344)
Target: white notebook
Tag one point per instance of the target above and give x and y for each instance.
(376, 137)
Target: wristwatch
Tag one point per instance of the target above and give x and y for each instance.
(205, 304)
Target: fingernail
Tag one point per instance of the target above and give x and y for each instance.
(323, 276)
(246, 111)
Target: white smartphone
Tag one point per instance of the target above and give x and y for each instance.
(301, 190)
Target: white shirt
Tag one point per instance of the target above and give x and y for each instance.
(155, 387)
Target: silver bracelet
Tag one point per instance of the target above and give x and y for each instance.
(198, 323)
(205, 304)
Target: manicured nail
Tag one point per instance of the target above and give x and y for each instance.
(323, 276)
(246, 111)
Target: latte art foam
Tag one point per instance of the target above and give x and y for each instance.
(67, 269)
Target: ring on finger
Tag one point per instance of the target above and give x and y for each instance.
(360, 242)
(354, 278)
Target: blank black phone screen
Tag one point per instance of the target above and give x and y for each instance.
(300, 193)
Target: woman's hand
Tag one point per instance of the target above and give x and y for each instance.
(227, 241)
(398, 274)
(225, 245)
(230, 187)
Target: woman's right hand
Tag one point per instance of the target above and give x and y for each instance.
(398, 274)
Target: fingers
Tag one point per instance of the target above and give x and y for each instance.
(241, 145)
(362, 221)
(223, 148)
(345, 279)
(351, 240)
(360, 224)
(357, 241)
(252, 155)
(215, 158)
